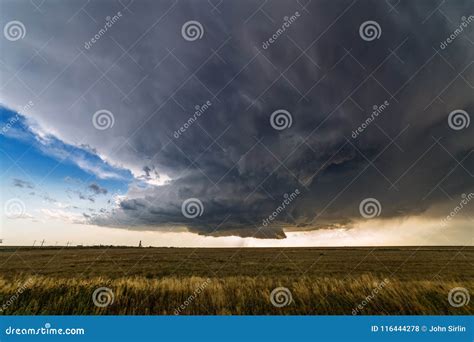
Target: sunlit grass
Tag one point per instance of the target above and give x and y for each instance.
(343, 281)
(231, 295)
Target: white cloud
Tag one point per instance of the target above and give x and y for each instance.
(62, 215)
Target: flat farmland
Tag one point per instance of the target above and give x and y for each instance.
(391, 280)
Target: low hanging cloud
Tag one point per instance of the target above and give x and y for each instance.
(315, 103)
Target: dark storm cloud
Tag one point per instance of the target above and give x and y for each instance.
(228, 155)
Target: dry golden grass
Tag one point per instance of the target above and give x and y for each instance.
(235, 281)
(231, 295)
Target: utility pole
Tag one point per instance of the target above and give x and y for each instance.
(34, 243)
(42, 243)
(140, 244)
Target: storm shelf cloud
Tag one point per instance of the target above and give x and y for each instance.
(324, 108)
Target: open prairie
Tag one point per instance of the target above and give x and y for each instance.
(116, 280)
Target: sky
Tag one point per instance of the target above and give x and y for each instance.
(205, 124)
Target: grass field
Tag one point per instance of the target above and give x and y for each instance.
(405, 280)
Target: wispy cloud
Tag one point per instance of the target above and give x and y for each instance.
(82, 155)
(61, 215)
(23, 184)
